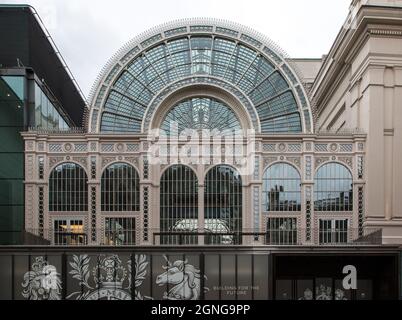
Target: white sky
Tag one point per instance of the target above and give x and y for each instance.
(89, 32)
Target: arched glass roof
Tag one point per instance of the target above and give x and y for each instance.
(198, 114)
(262, 75)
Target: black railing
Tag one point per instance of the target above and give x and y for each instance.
(131, 237)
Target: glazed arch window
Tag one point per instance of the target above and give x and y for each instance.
(223, 206)
(178, 205)
(333, 188)
(120, 188)
(229, 60)
(281, 188)
(68, 188)
(200, 113)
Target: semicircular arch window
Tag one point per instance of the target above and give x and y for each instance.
(333, 188)
(68, 188)
(172, 60)
(200, 114)
(281, 188)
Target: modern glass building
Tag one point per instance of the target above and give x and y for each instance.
(206, 152)
(34, 86)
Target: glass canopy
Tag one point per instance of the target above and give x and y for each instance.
(172, 60)
(198, 114)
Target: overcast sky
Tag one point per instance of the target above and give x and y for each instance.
(89, 32)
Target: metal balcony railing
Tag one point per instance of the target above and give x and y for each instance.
(73, 130)
(343, 131)
(272, 237)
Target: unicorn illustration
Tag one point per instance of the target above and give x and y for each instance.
(185, 279)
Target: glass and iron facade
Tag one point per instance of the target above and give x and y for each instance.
(255, 172)
(205, 151)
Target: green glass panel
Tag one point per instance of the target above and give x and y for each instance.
(11, 192)
(11, 112)
(16, 84)
(11, 140)
(11, 166)
(11, 218)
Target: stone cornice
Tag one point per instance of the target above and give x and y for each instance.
(369, 21)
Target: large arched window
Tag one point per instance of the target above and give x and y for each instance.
(333, 189)
(68, 188)
(181, 55)
(223, 205)
(178, 205)
(198, 114)
(281, 188)
(120, 187)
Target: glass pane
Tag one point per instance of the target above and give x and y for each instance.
(16, 84)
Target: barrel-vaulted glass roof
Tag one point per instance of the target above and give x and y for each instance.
(122, 100)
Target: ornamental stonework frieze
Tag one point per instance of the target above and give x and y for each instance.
(320, 160)
(347, 160)
(54, 160)
(269, 147)
(333, 147)
(81, 160)
(107, 160)
(321, 147)
(107, 147)
(295, 160)
(294, 147)
(68, 147)
(120, 147)
(282, 147)
(29, 207)
(29, 166)
(55, 147)
(133, 147)
(29, 146)
(93, 146)
(133, 160)
(269, 160)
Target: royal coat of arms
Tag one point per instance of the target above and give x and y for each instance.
(109, 279)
